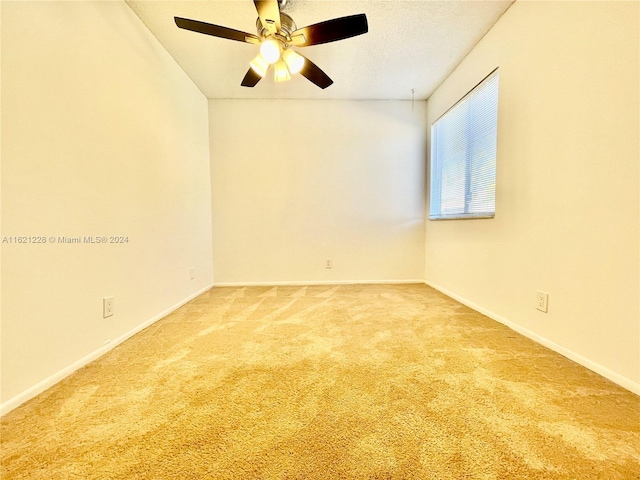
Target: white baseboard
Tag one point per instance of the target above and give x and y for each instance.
(316, 282)
(50, 381)
(616, 378)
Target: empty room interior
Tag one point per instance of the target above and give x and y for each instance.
(217, 267)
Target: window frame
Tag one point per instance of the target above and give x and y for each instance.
(436, 167)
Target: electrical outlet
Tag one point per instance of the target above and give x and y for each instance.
(192, 272)
(107, 307)
(542, 301)
(328, 263)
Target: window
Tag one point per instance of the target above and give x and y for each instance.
(463, 155)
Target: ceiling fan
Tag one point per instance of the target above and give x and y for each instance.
(276, 34)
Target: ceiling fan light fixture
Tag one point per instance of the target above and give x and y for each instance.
(276, 32)
(259, 65)
(294, 61)
(271, 50)
(282, 72)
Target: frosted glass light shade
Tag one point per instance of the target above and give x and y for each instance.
(270, 50)
(259, 65)
(282, 72)
(295, 61)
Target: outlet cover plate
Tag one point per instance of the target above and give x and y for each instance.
(107, 307)
(542, 301)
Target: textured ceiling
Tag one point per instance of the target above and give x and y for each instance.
(410, 45)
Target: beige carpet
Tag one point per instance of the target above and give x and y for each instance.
(324, 382)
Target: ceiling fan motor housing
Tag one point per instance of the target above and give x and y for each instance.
(287, 27)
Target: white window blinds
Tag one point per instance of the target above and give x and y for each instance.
(463, 155)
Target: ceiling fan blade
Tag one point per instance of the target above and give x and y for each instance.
(330, 30)
(251, 79)
(216, 30)
(315, 74)
(269, 13)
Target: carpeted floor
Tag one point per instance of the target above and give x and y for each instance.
(326, 382)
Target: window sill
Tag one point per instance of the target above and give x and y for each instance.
(463, 217)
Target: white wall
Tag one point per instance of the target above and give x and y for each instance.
(295, 182)
(567, 183)
(102, 134)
